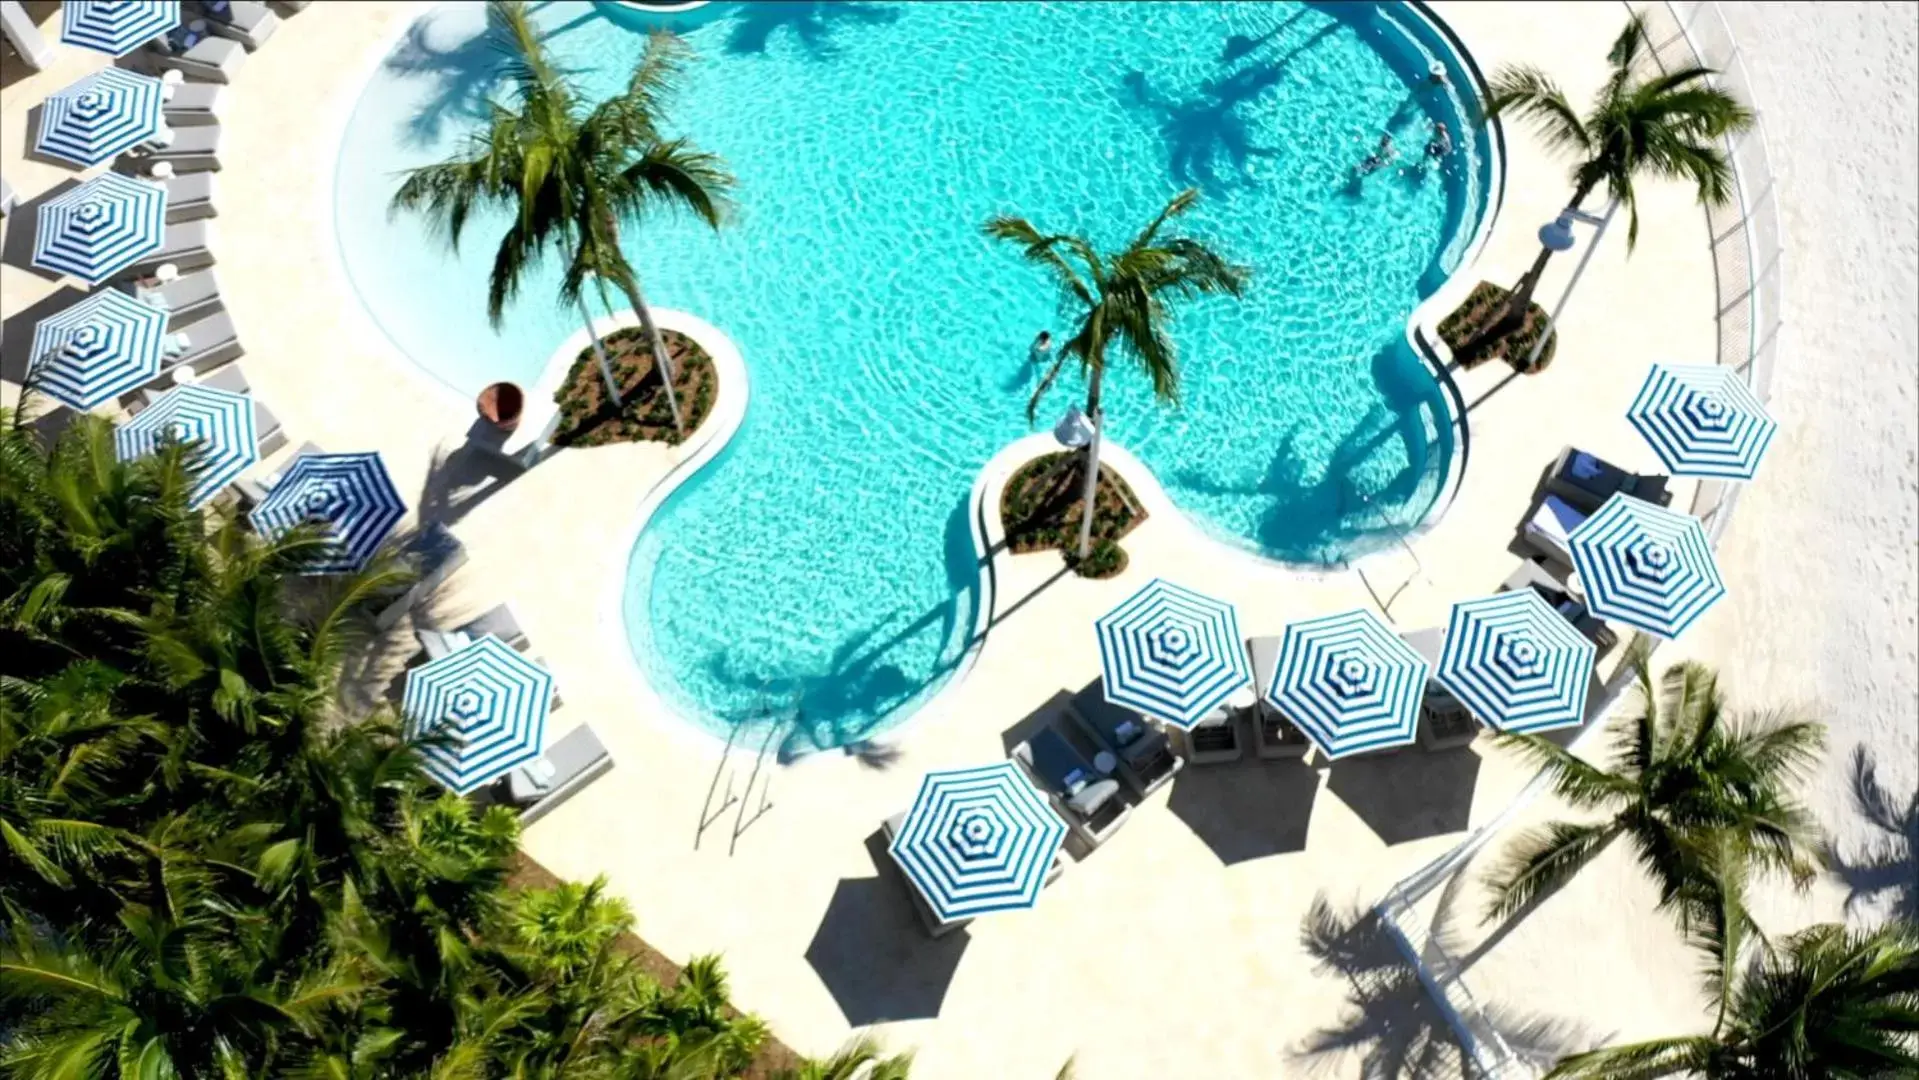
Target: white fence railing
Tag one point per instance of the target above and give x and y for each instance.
(1747, 258)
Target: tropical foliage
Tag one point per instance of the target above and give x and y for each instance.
(1686, 779)
(207, 870)
(570, 175)
(1122, 299)
(1669, 125)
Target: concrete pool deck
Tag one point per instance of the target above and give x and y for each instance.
(1192, 915)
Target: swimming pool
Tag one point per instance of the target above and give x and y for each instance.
(822, 564)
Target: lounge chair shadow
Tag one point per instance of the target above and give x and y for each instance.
(1883, 873)
(1391, 1021)
(1247, 810)
(1409, 795)
(23, 225)
(812, 24)
(872, 954)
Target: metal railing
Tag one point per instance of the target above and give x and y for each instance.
(1747, 256)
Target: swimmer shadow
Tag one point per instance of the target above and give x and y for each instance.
(840, 703)
(464, 75)
(1325, 520)
(812, 25)
(1209, 143)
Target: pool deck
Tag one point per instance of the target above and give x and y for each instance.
(1174, 950)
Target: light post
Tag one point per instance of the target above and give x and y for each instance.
(1557, 234)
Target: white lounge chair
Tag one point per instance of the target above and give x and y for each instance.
(252, 492)
(190, 104)
(498, 621)
(575, 760)
(1273, 735)
(433, 554)
(186, 300)
(203, 345)
(1551, 526)
(8, 199)
(189, 197)
(1444, 721)
(250, 24)
(189, 149)
(185, 246)
(213, 59)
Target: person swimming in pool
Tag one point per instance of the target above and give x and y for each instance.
(1440, 146)
(1381, 157)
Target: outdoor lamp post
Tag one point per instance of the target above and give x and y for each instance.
(1558, 235)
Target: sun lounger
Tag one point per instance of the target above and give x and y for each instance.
(1146, 758)
(1532, 575)
(251, 491)
(1444, 721)
(266, 426)
(1549, 530)
(433, 554)
(250, 24)
(189, 197)
(191, 149)
(193, 104)
(1215, 740)
(214, 59)
(185, 299)
(8, 199)
(575, 760)
(202, 346)
(499, 622)
(1060, 764)
(1584, 482)
(1273, 735)
(185, 246)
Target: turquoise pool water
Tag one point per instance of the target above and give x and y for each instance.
(821, 566)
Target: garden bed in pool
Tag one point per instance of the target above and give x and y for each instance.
(819, 573)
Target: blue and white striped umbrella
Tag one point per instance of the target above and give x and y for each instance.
(352, 495)
(978, 841)
(1349, 683)
(1517, 663)
(1646, 566)
(100, 116)
(98, 349)
(221, 421)
(117, 27)
(1172, 653)
(1703, 420)
(100, 227)
(488, 701)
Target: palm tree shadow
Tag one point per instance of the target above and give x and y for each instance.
(811, 23)
(464, 74)
(1392, 1022)
(840, 703)
(1210, 144)
(1884, 871)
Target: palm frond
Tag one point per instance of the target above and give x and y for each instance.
(1639, 1061)
(1046, 251)
(1541, 860)
(1530, 93)
(1574, 779)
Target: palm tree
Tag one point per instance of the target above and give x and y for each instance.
(570, 175)
(1124, 297)
(862, 1058)
(1685, 778)
(1827, 1003)
(1668, 125)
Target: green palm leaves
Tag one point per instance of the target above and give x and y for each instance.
(571, 175)
(1686, 780)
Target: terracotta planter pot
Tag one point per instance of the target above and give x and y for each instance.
(502, 405)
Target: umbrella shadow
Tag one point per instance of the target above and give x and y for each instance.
(872, 954)
(812, 24)
(1210, 144)
(1392, 1021)
(1884, 871)
(1248, 809)
(23, 226)
(1409, 795)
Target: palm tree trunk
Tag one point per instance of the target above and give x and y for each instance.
(1522, 295)
(660, 360)
(1091, 490)
(599, 354)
